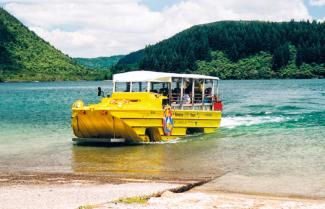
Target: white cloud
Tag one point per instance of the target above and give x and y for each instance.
(317, 2)
(109, 27)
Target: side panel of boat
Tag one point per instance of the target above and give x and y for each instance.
(133, 125)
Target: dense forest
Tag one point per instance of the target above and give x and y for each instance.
(228, 49)
(99, 62)
(238, 50)
(26, 57)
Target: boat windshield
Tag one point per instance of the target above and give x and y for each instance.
(122, 86)
(139, 86)
(160, 88)
(131, 86)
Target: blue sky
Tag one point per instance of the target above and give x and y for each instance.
(158, 5)
(92, 28)
(317, 12)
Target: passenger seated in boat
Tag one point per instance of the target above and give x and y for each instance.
(198, 94)
(186, 99)
(188, 90)
(163, 91)
(207, 99)
(176, 90)
(176, 94)
(208, 95)
(208, 91)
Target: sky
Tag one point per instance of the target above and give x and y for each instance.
(93, 28)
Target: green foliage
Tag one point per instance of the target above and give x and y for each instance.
(281, 56)
(258, 67)
(26, 57)
(129, 62)
(254, 67)
(99, 62)
(239, 42)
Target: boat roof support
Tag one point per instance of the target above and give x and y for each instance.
(193, 93)
(182, 93)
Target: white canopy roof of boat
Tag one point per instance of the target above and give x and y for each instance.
(151, 76)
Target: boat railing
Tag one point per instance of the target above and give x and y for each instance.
(191, 103)
(190, 106)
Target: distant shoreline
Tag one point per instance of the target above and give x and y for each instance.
(45, 81)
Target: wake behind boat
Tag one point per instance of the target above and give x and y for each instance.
(148, 106)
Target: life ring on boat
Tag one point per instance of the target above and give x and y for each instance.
(168, 122)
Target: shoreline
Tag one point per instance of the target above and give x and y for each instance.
(206, 184)
(103, 191)
(47, 178)
(51, 81)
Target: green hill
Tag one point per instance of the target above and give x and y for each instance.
(99, 62)
(238, 50)
(26, 57)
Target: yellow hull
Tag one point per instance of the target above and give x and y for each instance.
(136, 123)
(137, 126)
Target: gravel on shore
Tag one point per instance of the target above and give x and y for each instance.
(66, 196)
(219, 200)
(65, 191)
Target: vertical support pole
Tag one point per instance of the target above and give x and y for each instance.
(182, 93)
(114, 86)
(203, 93)
(217, 90)
(131, 86)
(169, 86)
(193, 91)
(213, 83)
(212, 92)
(148, 86)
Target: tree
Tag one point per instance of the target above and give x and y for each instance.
(281, 57)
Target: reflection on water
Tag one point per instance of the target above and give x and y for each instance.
(169, 160)
(272, 131)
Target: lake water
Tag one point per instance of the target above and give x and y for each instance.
(272, 137)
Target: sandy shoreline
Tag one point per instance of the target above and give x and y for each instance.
(39, 178)
(220, 200)
(68, 190)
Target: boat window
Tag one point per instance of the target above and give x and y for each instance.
(187, 85)
(176, 90)
(122, 86)
(187, 89)
(160, 88)
(208, 86)
(198, 89)
(216, 86)
(139, 86)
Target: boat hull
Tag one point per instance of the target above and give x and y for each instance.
(136, 126)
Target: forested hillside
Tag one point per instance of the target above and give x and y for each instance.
(99, 62)
(26, 57)
(274, 50)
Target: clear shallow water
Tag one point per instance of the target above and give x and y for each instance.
(272, 131)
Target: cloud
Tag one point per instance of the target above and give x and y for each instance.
(108, 27)
(317, 2)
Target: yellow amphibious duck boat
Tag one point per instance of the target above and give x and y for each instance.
(148, 106)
